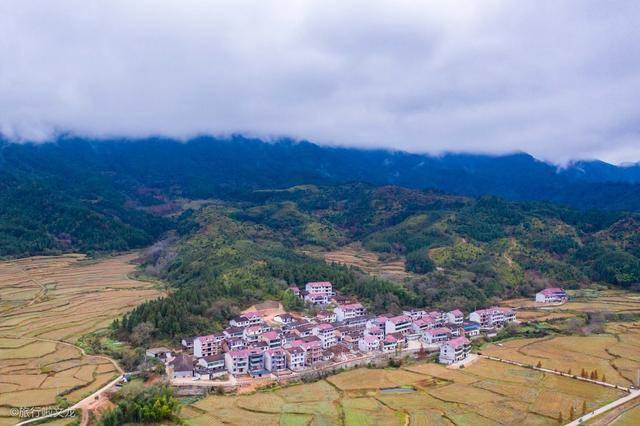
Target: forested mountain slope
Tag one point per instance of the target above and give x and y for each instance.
(461, 251)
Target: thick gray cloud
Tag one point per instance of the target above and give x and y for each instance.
(558, 79)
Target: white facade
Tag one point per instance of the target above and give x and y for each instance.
(399, 324)
(455, 350)
(350, 311)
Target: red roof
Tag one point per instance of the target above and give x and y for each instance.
(456, 312)
(351, 306)
(319, 284)
(370, 339)
(439, 330)
(552, 290)
(400, 318)
(458, 341)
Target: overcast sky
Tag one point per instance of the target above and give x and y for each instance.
(557, 79)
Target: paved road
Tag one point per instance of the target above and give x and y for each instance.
(633, 394)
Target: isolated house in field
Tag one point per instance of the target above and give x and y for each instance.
(551, 295)
(182, 366)
(454, 350)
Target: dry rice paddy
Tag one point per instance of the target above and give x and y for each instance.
(485, 392)
(46, 304)
(370, 262)
(615, 354)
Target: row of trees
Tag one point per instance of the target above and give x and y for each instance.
(572, 413)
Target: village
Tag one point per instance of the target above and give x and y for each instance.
(257, 344)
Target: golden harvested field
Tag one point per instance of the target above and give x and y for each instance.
(370, 262)
(485, 392)
(582, 301)
(46, 304)
(615, 354)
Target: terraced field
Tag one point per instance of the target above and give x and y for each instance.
(370, 262)
(485, 392)
(46, 304)
(615, 355)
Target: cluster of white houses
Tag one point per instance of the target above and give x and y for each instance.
(343, 329)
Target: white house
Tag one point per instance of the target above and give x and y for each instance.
(318, 298)
(207, 345)
(321, 287)
(368, 344)
(327, 334)
(551, 295)
(295, 358)
(398, 324)
(275, 359)
(455, 317)
(423, 324)
(246, 319)
(454, 350)
(349, 311)
(214, 362)
(374, 331)
(494, 317)
(389, 344)
(437, 335)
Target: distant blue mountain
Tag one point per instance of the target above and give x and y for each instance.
(209, 167)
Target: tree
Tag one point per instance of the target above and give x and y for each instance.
(604, 378)
(419, 261)
(584, 407)
(595, 374)
(569, 371)
(583, 373)
(560, 419)
(539, 364)
(141, 333)
(572, 412)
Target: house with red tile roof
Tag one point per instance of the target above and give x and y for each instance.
(454, 350)
(551, 295)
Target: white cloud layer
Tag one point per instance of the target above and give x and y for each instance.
(558, 79)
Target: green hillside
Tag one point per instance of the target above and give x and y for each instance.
(463, 252)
